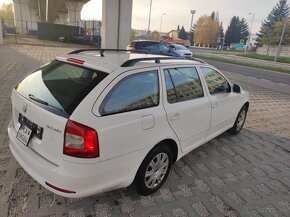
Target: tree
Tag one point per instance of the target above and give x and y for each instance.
(212, 15)
(278, 13)
(206, 31)
(6, 12)
(155, 35)
(182, 33)
(221, 34)
(237, 30)
(273, 34)
(244, 27)
(133, 34)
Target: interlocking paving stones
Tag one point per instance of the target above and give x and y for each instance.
(243, 175)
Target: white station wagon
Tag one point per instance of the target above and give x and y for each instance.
(94, 121)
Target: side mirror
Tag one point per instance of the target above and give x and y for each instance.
(236, 88)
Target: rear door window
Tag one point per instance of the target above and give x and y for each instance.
(60, 85)
(182, 84)
(134, 92)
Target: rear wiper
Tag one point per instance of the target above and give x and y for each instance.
(37, 99)
(42, 102)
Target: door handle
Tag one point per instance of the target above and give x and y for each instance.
(174, 117)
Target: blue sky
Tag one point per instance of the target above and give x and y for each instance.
(178, 12)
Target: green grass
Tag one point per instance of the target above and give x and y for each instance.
(265, 57)
(253, 65)
(254, 56)
(228, 52)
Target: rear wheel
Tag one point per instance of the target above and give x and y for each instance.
(154, 170)
(240, 121)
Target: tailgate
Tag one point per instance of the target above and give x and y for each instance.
(47, 127)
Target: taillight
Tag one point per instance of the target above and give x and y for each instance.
(77, 61)
(80, 141)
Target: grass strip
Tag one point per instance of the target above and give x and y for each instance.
(264, 57)
(255, 56)
(253, 65)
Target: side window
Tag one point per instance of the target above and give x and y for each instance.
(133, 92)
(164, 48)
(152, 46)
(215, 81)
(182, 84)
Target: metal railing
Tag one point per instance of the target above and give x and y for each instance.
(38, 33)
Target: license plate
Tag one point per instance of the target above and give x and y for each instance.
(24, 134)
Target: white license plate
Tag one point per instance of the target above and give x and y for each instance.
(24, 134)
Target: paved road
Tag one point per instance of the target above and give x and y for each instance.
(244, 59)
(243, 175)
(252, 72)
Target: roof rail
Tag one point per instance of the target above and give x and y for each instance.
(132, 62)
(96, 49)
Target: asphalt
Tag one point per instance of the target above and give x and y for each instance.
(275, 77)
(210, 52)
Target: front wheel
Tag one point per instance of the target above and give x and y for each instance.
(154, 170)
(240, 121)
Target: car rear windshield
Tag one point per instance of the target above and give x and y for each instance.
(59, 86)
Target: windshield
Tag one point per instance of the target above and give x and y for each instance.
(60, 85)
(180, 47)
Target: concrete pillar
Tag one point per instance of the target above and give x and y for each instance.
(116, 23)
(21, 15)
(73, 12)
(62, 18)
(1, 36)
(34, 18)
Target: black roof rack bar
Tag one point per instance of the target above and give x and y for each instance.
(96, 49)
(132, 62)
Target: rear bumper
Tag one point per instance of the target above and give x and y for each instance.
(84, 179)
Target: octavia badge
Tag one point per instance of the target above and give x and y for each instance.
(24, 108)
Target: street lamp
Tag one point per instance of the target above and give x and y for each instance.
(253, 14)
(161, 24)
(250, 36)
(192, 13)
(148, 33)
(281, 39)
(191, 30)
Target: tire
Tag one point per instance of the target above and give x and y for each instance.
(146, 183)
(240, 121)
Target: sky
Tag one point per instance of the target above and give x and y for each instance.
(178, 12)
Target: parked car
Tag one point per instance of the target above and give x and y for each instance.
(77, 39)
(152, 47)
(181, 50)
(87, 123)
